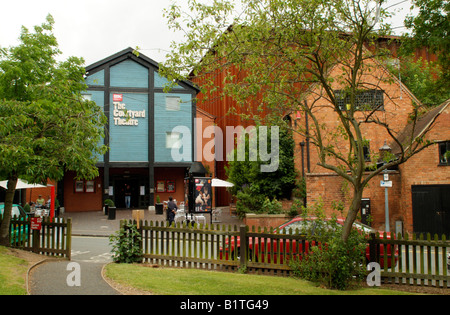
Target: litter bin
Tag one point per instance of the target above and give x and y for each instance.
(112, 213)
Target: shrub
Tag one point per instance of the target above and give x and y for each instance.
(126, 245)
(109, 202)
(272, 206)
(332, 262)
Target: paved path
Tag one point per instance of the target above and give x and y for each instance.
(89, 255)
(51, 279)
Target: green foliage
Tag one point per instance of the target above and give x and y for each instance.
(46, 125)
(127, 245)
(335, 264)
(109, 203)
(271, 206)
(296, 208)
(429, 28)
(252, 187)
(423, 79)
(332, 262)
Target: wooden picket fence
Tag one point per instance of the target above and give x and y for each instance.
(53, 239)
(422, 261)
(213, 247)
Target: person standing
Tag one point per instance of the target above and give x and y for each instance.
(127, 196)
(171, 210)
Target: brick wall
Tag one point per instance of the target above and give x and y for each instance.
(330, 189)
(398, 104)
(424, 168)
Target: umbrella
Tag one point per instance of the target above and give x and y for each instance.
(221, 183)
(21, 184)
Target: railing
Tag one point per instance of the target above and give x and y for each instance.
(229, 248)
(53, 239)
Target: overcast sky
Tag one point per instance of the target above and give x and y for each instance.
(96, 29)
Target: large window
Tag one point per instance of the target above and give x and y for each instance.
(366, 100)
(444, 153)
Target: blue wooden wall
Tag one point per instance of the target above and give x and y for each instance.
(130, 143)
(129, 74)
(166, 120)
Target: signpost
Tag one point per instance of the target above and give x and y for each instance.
(36, 224)
(386, 183)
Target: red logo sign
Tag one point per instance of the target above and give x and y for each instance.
(36, 223)
(117, 97)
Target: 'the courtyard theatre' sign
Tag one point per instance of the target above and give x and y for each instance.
(124, 116)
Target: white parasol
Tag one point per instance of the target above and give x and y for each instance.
(21, 184)
(221, 183)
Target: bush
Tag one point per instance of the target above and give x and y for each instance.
(109, 202)
(332, 262)
(126, 245)
(272, 206)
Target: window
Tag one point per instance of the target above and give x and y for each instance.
(173, 103)
(366, 150)
(82, 186)
(365, 100)
(444, 153)
(173, 140)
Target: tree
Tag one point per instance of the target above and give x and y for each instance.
(252, 186)
(429, 28)
(278, 54)
(423, 79)
(46, 125)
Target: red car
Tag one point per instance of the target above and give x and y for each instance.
(264, 249)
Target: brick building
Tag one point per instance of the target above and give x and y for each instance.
(419, 197)
(425, 178)
(397, 104)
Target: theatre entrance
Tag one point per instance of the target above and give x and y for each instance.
(135, 186)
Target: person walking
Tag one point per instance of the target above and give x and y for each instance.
(171, 210)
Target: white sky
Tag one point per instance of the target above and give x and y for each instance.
(96, 29)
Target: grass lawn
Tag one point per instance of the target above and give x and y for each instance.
(166, 281)
(12, 274)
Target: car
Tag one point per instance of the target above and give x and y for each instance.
(19, 234)
(17, 210)
(264, 249)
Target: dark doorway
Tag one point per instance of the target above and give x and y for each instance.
(138, 190)
(124, 187)
(431, 209)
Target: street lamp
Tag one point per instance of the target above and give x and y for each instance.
(384, 150)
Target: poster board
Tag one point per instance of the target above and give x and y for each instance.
(198, 194)
(202, 195)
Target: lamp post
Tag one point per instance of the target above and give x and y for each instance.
(386, 184)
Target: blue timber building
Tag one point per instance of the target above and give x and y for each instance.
(139, 134)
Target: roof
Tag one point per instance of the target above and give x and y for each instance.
(131, 53)
(422, 125)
